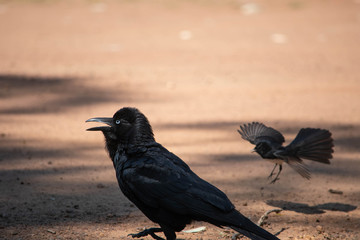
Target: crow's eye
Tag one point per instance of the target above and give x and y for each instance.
(117, 122)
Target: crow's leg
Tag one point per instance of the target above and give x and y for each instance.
(272, 172)
(277, 176)
(150, 231)
(169, 232)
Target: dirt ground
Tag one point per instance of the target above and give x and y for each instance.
(197, 70)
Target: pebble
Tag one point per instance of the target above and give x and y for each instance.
(319, 229)
(51, 231)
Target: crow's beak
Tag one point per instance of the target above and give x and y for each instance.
(254, 150)
(107, 121)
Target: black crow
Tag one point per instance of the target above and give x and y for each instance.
(310, 143)
(161, 185)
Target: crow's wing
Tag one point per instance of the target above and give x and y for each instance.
(159, 179)
(256, 132)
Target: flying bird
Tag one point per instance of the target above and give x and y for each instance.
(310, 143)
(163, 186)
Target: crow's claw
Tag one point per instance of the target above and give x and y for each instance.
(150, 231)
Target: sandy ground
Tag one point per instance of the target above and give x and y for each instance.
(196, 69)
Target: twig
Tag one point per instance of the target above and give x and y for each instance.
(281, 230)
(335, 191)
(235, 236)
(261, 222)
(265, 215)
(51, 231)
(195, 230)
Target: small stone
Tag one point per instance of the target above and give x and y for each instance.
(319, 229)
(308, 237)
(69, 211)
(51, 231)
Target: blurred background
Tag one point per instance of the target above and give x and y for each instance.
(197, 69)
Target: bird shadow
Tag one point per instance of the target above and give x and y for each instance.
(307, 209)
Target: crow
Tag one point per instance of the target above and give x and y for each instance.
(163, 186)
(310, 143)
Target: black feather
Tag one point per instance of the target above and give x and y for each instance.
(310, 143)
(255, 132)
(163, 186)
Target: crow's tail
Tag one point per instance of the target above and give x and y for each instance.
(246, 227)
(312, 144)
(254, 236)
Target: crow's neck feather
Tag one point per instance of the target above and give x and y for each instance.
(140, 134)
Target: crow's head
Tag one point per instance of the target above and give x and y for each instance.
(128, 125)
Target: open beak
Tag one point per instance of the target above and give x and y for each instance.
(107, 121)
